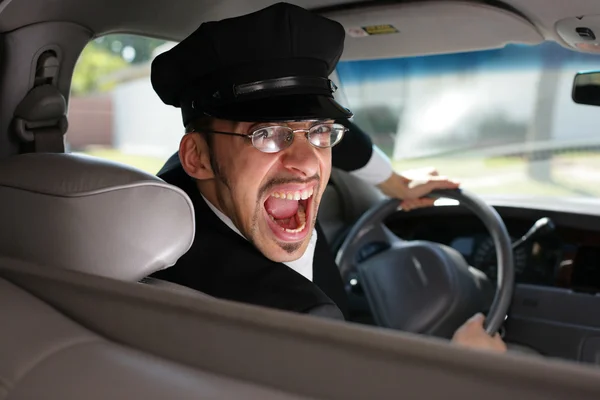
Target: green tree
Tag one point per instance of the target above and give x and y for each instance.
(109, 54)
(94, 64)
(133, 48)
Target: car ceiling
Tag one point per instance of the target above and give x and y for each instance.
(469, 25)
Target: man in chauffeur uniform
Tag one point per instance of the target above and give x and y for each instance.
(261, 125)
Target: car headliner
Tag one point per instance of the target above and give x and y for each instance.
(175, 19)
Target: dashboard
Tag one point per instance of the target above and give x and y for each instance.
(567, 256)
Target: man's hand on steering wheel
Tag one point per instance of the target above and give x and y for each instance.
(471, 334)
(411, 186)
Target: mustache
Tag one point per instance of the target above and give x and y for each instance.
(283, 181)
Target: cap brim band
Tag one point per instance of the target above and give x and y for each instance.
(275, 108)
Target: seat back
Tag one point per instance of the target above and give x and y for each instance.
(90, 215)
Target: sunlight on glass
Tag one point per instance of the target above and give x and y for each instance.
(128, 54)
(445, 112)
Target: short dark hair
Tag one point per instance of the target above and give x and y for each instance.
(199, 125)
(203, 124)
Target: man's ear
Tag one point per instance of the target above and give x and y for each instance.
(195, 156)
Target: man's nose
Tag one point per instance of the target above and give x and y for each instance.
(301, 157)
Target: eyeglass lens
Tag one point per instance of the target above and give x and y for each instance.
(271, 139)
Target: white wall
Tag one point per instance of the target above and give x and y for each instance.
(143, 124)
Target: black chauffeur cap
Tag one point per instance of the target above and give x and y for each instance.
(270, 65)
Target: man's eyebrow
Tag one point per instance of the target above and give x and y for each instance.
(313, 122)
(263, 124)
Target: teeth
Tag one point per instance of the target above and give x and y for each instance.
(301, 220)
(299, 195)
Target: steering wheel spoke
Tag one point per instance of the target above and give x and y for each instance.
(374, 240)
(379, 233)
(371, 238)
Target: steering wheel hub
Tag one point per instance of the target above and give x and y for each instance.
(434, 283)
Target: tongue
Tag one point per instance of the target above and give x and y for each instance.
(280, 208)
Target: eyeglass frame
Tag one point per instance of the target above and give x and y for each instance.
(292, 131)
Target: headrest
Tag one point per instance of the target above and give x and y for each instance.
(91, 215)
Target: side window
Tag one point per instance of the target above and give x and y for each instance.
(113, 110)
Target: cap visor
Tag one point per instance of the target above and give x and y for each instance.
(282, 108)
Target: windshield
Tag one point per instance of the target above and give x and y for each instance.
(501, 121)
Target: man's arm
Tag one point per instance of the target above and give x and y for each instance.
(357, 155)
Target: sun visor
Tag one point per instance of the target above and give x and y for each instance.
(433, 27)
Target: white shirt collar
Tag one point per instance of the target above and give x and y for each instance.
(303, 265)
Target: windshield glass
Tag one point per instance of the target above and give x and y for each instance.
(501, 121)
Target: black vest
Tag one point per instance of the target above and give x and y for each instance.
(223, 264)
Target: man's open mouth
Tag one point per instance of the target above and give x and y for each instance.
(288, 212)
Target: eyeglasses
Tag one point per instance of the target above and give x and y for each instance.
(275, 138)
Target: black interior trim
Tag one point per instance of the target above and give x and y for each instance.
(561, 218)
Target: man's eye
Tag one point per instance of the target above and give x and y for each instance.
(264, 133)
(321, 129)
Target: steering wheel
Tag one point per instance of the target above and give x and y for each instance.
(425, 287)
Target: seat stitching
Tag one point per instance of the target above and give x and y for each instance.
(45, 356)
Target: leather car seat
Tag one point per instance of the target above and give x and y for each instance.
(90, 215)
(86, 214)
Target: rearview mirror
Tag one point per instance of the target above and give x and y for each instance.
(586, 88)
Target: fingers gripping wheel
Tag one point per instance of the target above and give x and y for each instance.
(427, 278)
